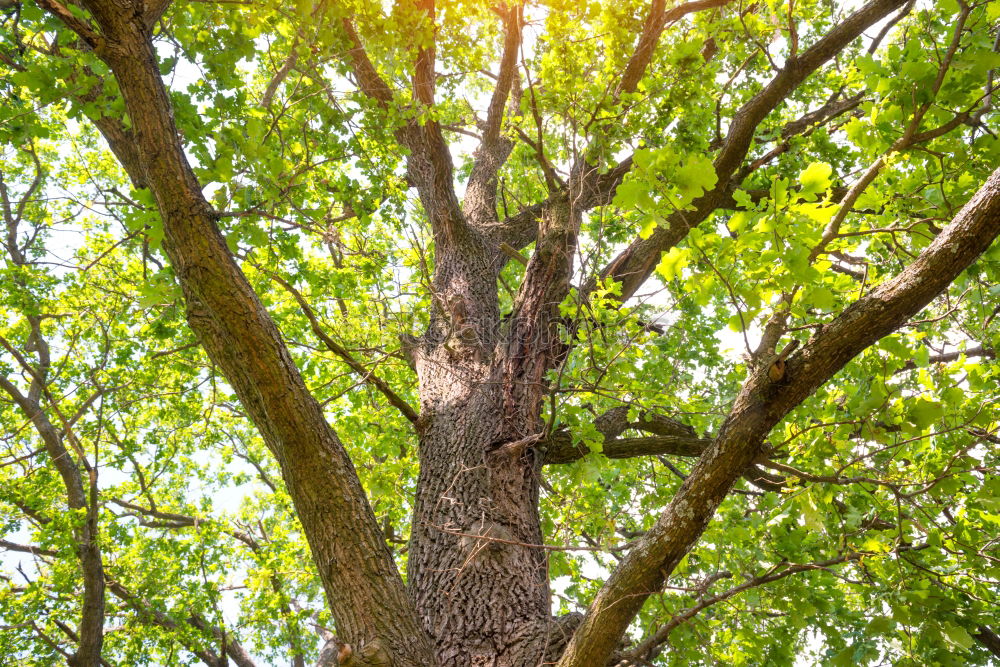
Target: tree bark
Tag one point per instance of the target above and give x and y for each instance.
(762, 403)
(372, 609)
(478, 581)
(477, 574)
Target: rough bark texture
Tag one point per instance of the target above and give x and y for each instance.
(477, 592)
(478, 577)
(760, 405)
(371, 606)
(478, 582)
(479, 585)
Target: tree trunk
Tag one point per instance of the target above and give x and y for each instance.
(481, 591)
(476, 572)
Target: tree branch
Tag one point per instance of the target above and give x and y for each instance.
(972, 352)
(75, 638)
(146, 610)
(367, 76)
(93, 39)
(656, 21)
(670, 438)
(599, 189)
(590, 187)
(279, 76)
(650, 647)
(423, 70)
(154, 9)
(763, 402)
(87, 547)
(533, 343)
(560, 448)
(989, 639)
(27, 549)
(366, 375)
(429, 165)
(481, 192)
(636, 263)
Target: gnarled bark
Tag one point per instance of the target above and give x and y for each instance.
(478, 582)
(363, 586)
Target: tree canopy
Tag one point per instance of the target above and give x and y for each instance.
(447, 332)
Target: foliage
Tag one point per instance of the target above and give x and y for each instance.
(888, 496)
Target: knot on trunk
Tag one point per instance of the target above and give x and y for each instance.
(370, 654)
(506, 450)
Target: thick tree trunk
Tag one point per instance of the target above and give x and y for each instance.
(481, 590)
(478, 577)
(477, 569)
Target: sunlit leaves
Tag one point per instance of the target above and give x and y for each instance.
(306, 175)
(815, 178)
(672, 262)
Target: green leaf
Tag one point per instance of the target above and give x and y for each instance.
(958, 636)
(880, 625)
(649, 226)
(632, 194)
(923, 412)
(694, 176)
(672, 262)
(811, 516)
(822, 298)
(815, 178)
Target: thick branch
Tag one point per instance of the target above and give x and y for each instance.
(239, 336)
(560, 449)
(636, 263)
(367, 76)
(656, 21)
(989, 639)
(91, 628)
(74, 23)
(27, 549)
(670, 438)
(429, 165)
(533, 344)
(481, 192)
(423, 70)
(153, 10)
(762, 403)
(286, 67)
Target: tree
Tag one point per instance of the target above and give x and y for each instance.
(410, 252)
